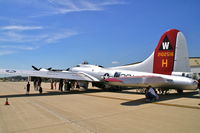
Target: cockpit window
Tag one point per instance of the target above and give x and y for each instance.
(85, 62)
(77, 65)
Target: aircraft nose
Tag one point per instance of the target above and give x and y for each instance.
(194, 84)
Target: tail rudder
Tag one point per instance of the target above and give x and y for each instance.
(181, 60)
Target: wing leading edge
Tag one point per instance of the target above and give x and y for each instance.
(50, 74)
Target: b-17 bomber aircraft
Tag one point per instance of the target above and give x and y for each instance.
(167, 67)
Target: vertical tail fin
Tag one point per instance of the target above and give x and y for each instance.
(170, 55)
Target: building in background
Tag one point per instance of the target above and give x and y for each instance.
(195, 66)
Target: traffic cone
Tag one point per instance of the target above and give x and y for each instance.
(7, 103)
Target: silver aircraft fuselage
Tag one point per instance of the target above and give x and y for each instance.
(134, 78)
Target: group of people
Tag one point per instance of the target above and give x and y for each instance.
(37, 85)
(64, 85)
(39, 88)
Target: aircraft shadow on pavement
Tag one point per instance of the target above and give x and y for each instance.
(161, 98)
(51, 93)
(136, 102)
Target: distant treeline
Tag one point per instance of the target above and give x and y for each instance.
(14, 78)
(21, 79)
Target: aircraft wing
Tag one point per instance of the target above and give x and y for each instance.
(139, 81)
(50, 74)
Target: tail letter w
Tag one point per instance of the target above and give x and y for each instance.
(165, 45)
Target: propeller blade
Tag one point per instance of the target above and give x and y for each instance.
(35, 68)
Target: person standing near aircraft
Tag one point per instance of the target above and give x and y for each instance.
(35, 84)
(39, 82)
(68, 85)
(199, 84)
(61, 85)
(65, 85)
(40, 90)
(55, 84)
(52, 84)
(27, 88)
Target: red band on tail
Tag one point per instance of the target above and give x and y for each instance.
(165, 52)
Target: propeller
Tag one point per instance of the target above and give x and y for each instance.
(35, 68)
(50, 69)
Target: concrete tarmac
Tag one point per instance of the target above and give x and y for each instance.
(95, 111)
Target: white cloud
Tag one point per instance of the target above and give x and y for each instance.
(23, 34)
(20, 27)
(18, 37)
(21, 37)
(58, 36)
(20, 40)
(54, 7)
(20, 47)
(112, 2)
(115, 62)
(6, 52)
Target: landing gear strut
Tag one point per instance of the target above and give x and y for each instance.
(179, 91)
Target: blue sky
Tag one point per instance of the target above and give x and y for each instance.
(63, 33)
